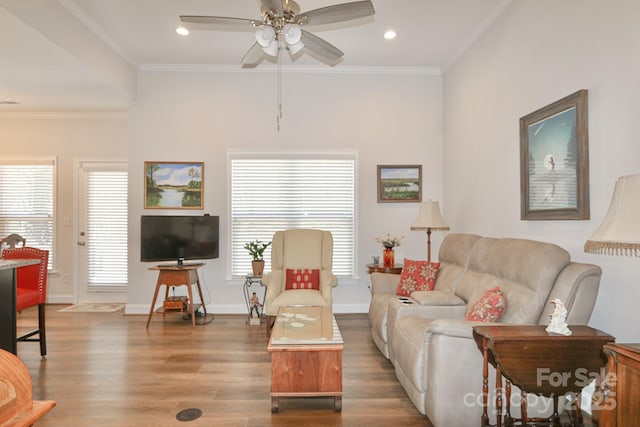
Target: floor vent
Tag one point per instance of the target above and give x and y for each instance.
(189, 414)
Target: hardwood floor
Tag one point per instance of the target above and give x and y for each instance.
(106, 369)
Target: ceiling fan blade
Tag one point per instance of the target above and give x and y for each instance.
(290, 6)
(321, 47)
(336, 13)
(253, 55)
(215, 22)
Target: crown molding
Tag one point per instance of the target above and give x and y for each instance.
(292, 69)
(63, 115)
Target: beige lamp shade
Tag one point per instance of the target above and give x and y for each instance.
(619, 233)
(429, 217)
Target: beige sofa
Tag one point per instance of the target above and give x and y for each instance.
(431, 345)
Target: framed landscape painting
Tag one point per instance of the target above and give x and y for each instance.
(173, 185)
(554, 161)
(399, 183)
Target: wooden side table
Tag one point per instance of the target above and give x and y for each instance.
(547, 365)
(619, 399)
(396, 269)
(177, 275)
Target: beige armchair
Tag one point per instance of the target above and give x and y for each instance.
(293, 250)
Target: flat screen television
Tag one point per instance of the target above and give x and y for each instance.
(178, 238)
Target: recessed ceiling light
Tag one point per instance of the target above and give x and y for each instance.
(390, 35)
(182, 31)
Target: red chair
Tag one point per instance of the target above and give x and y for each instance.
(31, 284)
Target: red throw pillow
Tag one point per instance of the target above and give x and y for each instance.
(417, 276)
(489, 307)
(302, 278)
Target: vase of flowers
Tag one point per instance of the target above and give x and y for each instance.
(388, 254)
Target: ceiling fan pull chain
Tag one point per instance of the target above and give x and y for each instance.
(279, 108)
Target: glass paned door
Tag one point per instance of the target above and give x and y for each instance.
(102, 232)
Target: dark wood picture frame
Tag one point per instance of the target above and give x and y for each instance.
(183, 180)
(399, 183)
(554, 161)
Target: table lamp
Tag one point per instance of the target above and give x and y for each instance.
(619, 233)
(429, 218)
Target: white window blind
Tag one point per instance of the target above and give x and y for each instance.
(26, 202)
(272, 194)
(106, 241)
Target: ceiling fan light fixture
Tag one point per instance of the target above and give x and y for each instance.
(292, 33)
(265, 36)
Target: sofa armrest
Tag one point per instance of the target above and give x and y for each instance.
(384, 283)
(577, 287)
(272, 282)
(328, 281)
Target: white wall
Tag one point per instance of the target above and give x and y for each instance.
(65, 136)
(386, 118)
(538, 52)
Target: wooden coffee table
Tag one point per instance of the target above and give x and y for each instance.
(306, 355)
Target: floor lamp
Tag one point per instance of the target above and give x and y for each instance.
(429, 218)
(619, 233)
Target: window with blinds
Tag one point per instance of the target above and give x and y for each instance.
(272, 194)
(27, 202)
(106, 241)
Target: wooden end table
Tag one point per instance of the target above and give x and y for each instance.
(177, 275)
(618, 403)
(539, 363)
(306, 355)
(379, 268)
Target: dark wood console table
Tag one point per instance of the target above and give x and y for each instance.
(177, 275)
(539, 363)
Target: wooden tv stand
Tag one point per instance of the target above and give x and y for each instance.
(177, 275)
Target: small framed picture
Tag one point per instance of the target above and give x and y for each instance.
(399, 183)
(554, 161)
(173, 185)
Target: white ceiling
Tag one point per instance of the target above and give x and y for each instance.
(83, 55)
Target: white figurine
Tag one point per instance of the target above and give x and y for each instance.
(558, 322)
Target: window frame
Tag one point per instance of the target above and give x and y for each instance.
(297, 155)
(53, 162)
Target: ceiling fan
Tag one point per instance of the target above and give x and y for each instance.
(281, 27)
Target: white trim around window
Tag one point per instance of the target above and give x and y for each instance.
(276, 190)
